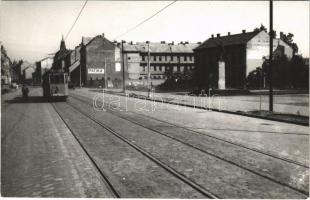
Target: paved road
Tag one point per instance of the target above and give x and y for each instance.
(142, 149)
(39, 156)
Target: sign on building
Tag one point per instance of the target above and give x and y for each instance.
(118, 67)
(95, 70)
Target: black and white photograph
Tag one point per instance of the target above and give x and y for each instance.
(154, 99)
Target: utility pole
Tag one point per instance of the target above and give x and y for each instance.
(123, 63)
(271, 35)
(105, 73)
(148, 70)
(80, 75)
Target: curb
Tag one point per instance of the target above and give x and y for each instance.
(240, 113)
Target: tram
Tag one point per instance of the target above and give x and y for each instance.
(55, 85)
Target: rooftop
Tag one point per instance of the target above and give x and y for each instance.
(160, 47)
(240, 38)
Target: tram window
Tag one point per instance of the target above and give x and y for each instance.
(57, 79)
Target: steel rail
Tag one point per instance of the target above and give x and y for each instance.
(105, 179)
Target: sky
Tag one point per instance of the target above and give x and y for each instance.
(30, 30)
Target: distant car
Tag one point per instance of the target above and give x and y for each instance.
(14, 85)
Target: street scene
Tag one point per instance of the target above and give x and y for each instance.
(140, 109)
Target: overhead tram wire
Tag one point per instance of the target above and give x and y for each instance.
(73, 23)
(147, 19)
(76, 19)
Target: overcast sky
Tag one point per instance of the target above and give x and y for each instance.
(30, 30)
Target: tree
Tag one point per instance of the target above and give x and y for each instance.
(299, 72)
(261, 28)
(255, 79)
(288, 38)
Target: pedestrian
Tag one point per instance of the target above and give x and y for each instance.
(25, 91)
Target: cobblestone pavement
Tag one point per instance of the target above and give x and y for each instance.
(132, 174)
(282, 139)
(39, 156)
(218, 176)
(42, 158)
(257, 162)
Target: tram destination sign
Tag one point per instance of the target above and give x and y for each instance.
(95, 70)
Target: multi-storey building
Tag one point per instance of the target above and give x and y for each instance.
(62, 58)
(162, 57)
(226, 61)
(41, 67)
(95, 59)
(27, 74)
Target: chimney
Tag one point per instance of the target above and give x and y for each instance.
(131, 42)
(172, 42)
(186, 42)
(281, 35)
(228, 33)
(212, 36)
(102, 35)
(218, 35)
(147, 42)
(243, 31)
(163, 42)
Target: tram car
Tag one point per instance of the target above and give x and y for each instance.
(55, 85)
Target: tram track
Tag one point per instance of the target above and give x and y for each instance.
(304, 191)
(206, 135)
(104, 177)
(172, 171)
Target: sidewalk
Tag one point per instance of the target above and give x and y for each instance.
(296, 104)
(290, 106)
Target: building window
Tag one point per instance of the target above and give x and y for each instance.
(118, 67)
(160, 68)
(190, 58)
(155, 68)
(154, 58)
(171, 58)
(128, 58)
(185, 58)
(143, 58)
(159, 58)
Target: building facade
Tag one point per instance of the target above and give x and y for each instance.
(163, 58)
(96, 62)
(226, 61)
(27, 74)
(41, 67)
(62, 59)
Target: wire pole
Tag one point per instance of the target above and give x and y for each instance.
(270, 55)
(148, 70)
(123, 63)
(80, 75)
(105, 73)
